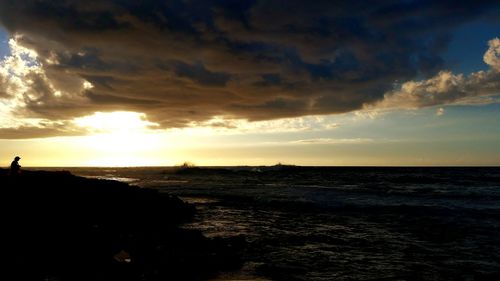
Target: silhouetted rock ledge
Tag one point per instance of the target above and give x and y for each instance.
(57, 226)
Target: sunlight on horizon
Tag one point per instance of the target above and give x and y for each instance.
(118, 139)
(123, 161)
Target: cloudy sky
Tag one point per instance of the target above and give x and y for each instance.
(151, 82)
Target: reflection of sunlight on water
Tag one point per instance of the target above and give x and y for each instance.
(198, 200)
(384, 225)
(218, 221)
(114, 178)
(128, 180)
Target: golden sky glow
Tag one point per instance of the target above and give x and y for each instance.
(304, 141)
(277, 86)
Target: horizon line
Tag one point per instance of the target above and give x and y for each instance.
(286, 165)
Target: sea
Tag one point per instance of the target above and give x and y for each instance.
(341, 223)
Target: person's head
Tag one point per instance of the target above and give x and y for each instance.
(17, 158)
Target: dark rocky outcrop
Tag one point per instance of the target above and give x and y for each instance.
(56, 226)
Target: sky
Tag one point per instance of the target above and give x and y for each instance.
(216, 83)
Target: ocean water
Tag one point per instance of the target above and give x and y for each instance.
(342, 223)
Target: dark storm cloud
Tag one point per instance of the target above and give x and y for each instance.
(199, 74)
(183, 61)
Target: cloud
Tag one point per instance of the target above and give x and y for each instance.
(447, 88)
(284, 125)
(200, 75)
(31, 132)
(182, 62)
(492, 56)
(332, 141)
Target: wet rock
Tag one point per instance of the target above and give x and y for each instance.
(56, 226)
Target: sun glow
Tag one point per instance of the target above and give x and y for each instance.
(115, 122)
(119, 138)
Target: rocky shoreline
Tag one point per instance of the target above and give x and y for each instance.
(57, 226)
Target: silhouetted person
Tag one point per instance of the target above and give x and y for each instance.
(15, 168)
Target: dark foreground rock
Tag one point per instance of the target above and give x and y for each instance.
(56, 226)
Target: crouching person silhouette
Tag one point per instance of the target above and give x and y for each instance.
(15, 168)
